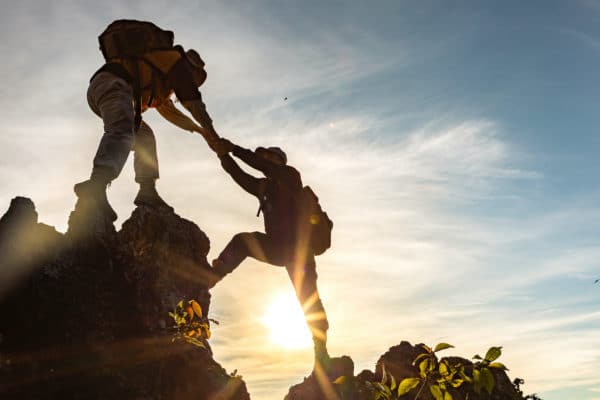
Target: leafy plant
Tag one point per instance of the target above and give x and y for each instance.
(189, 324)
(439, 377)
(482, 376)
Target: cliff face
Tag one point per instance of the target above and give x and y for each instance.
(84, 315)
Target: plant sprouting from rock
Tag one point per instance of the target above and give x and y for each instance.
(482, 375)
(189, 324)
(439, 377)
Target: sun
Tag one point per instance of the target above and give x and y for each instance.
(286, 324)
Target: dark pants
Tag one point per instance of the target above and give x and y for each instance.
(300, 266)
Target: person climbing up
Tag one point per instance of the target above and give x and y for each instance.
(143, 70)
(285, 241)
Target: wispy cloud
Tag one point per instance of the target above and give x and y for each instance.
(442, 231)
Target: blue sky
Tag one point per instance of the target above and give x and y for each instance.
(454, 145)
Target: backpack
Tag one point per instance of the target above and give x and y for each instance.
(314, 225)
(317, 223)
(128, 38)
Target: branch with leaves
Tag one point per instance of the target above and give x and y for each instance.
(189, 324)
(439, 377)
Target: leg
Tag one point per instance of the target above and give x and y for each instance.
(145, 163)
(247, 244)
(304, 278)
(111, 98)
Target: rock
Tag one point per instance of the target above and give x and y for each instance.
(24, 243)
(85, 316)
(88, 316)
(319, 384)
(88, 220)
(398, 363)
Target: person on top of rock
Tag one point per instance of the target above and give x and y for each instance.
(143, 70)
(280, 245)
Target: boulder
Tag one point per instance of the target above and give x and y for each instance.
(85, 314)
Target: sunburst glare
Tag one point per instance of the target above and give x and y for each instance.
(285, 321)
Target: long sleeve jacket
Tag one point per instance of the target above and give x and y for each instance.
(277, 192)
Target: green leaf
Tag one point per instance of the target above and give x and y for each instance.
(477, 357)
(457, 382)
(442, 346)
(487, 380)
(340, 380)
(407, 385)
(447, 396)
(477, 381)
(443, 368)
(393, 383)
(465, 376)
(422, 355)
(498, 365)
(424, 367)
(382, 388)
(493, 353)
(436, 392)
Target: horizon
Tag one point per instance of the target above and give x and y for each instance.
(455, 147)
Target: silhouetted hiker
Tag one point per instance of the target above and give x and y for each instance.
(284, 242)
(142, 71)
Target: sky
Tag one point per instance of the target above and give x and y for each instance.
(454, 145)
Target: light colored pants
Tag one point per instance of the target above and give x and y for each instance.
(111, 98)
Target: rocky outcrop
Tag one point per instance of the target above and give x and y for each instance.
(398, 362)
(84, 315)
(319, 384)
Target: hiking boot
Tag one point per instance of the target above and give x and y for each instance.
(95, 190)
(148, 196)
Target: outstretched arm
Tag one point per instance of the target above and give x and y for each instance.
(249, 183)
(198, 110)
(271, 170)
(181, 79)
(256, 162)
(177, 118)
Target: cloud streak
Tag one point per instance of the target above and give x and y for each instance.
(443, 230)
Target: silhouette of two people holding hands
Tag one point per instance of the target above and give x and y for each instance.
(140, 75)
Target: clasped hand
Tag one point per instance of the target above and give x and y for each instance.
(222, 146)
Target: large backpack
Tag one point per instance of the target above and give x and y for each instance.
(314, 225)
(129, 38)
(314, 221)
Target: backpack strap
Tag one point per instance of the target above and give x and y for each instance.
(262, 188)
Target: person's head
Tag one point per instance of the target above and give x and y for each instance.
(272, 154)
(197, 64)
